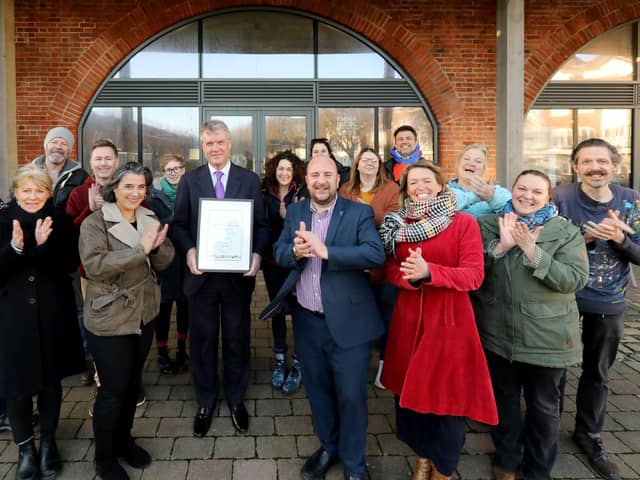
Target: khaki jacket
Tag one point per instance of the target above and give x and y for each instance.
(122, 289)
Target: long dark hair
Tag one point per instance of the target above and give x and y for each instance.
(270, 182)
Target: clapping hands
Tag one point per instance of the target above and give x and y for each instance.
(152, 239)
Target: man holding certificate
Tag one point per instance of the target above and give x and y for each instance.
(221, 271)
(327, 242)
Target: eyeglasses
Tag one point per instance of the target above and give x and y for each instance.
(173, 171)
(369, 160)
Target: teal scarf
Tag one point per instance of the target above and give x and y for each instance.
(169, 190)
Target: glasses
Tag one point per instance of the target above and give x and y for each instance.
(173, 171)
(373, 161)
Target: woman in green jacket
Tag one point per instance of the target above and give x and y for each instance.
(535, 261)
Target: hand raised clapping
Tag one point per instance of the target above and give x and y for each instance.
(415, 267)
(610, 228)
(481, 187)
(152, 239)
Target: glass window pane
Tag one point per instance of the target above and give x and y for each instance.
(285, 132)
(257, 45)
(614, 126)
(548, 141)
(174, 55)
(170, 130)
(390, 118)
(607, 57)
(348, 130)
(342, 56)
(120, 125)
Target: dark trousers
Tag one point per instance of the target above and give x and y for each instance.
(540, 432)
(163, 320)
(218, 303)
(274, 277)
(439, 438)
(119, 362)
(20, 411)
(336, 383)
(601, 336)
(385, 294)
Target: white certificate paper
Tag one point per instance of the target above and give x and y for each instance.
(225, 232)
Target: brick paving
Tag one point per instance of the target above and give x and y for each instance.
(280, 434)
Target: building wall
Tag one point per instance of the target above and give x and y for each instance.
(65, 50)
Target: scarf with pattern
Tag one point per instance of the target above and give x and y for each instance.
(417, 221)
(411, 159)
(537, 218)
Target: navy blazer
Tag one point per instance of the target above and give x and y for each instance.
(197, 184)
(354, 245)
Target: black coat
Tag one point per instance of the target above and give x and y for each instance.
(171, 278)
(39, 336)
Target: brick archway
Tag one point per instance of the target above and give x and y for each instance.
(90, 70)
(542, 62)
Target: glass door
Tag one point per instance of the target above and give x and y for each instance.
(258, 134)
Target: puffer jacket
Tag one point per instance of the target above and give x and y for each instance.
(530, 315)
(122, 289)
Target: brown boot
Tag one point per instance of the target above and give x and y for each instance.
(422, 470)
(436, 475)
(500, 474)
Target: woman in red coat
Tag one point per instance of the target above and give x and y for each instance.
(434, 363)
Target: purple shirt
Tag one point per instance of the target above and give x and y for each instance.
(308, 290)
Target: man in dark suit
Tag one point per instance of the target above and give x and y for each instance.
(218, 298)
(328, 242)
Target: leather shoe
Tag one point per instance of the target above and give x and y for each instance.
(202, 421)
(50, 461)
(317, 465)
(134, 455)
(597, 455)
(239, 417)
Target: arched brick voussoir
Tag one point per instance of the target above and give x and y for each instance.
(136, 27)
(570, 36)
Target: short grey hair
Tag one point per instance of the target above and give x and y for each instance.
(133, 168)
(213, 126)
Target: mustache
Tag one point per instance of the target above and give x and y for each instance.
(595, 172)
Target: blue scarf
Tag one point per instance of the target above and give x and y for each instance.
(169, 190)
(413, 158)
(537, 218)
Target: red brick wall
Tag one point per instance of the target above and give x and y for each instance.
(65, 50)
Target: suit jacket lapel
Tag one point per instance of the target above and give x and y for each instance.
(336, 219)
(205, 183)
(233, 185)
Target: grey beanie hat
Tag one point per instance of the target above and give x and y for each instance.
(59, 132)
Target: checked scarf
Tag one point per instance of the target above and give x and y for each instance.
(417, 221)
(537, 218)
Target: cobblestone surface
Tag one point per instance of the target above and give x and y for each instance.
(281, 436)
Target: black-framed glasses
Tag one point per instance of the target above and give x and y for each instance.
(173, 171)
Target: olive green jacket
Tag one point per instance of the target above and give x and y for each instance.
(529, 314)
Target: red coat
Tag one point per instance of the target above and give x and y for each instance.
(433, 359)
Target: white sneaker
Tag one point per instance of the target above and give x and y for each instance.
(377, 381)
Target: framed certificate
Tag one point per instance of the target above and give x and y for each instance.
(225, 232)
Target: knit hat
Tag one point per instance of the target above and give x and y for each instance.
(59, 132)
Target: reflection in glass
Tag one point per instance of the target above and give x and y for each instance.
(241, 128)
(342, 56)
(548, 141)
(391, 118)
(170, 130)
(120, 125)
(257, 45)
(607, 57)
(348, 130)
(614, 126)
(284, 132)
(174, 55)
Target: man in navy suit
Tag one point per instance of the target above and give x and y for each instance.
(328, 242)
(218, 299)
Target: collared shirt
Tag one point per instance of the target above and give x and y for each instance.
(225, 176)
(308, 290)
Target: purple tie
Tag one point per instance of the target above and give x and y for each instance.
(219, 187)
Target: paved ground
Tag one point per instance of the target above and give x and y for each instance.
(280, 433)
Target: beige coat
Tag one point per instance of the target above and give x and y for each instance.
(122, 289)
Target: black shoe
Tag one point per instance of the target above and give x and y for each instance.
(239, 417)
(134, 455)
(164, 362)
(202, 422)
(594, 448)
(88, 376)
(28, 462)
(317, 465)
(50, 461)
(111, 470)
(182, 359)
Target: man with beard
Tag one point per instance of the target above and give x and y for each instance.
(65, 173)
(405, 151)
(605, 213)
(328, 242)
